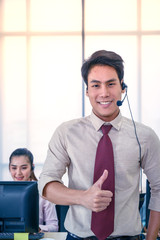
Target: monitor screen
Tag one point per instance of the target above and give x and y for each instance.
(19, 206)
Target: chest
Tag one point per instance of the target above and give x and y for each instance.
(82, 151)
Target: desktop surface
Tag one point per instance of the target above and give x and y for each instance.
(55, 235)
(46, 236)
(21, 236)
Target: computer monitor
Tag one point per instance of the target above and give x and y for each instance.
(19, 206)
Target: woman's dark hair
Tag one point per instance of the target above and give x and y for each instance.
(103, 57)
(24, 152)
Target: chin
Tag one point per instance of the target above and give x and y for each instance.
(106, 117)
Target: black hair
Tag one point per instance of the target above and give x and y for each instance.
(103, 57)
(24, 152)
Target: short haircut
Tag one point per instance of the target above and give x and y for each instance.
(103, 58)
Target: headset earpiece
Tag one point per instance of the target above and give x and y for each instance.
(32, 167)
(123, 85)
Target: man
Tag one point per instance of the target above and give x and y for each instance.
(74, 144)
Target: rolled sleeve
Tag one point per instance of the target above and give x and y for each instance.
(56, 162)
(151, 164)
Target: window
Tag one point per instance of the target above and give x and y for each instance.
(42, 46)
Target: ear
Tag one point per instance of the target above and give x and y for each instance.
(87, 92)
(33, 167)
(123, 90)
(123, 86)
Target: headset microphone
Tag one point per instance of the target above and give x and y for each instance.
(119, 102)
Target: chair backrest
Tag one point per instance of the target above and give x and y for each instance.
(61, 214)
(141, 200)
(148, 195)
(143, 205)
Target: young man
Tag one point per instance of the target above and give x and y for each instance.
(74, 144)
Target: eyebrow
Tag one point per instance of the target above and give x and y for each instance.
(108, 81)
(13, 165)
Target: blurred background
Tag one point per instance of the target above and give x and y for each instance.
(43, 44)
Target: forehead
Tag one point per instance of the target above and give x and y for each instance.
(103, 72)
(20, 160)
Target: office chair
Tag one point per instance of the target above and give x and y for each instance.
(148, 195)
(141, 200)
(61, 214)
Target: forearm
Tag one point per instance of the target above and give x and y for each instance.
(154, 225)
(93, 198)
(49, 228)
(57, 193)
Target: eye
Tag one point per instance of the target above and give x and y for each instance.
(111, 84)
(24, 168)
(13, 168)
(95, 85)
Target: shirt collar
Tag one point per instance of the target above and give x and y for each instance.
(97, 122)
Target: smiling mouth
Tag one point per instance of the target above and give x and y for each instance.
(19, 178)
(104, 103)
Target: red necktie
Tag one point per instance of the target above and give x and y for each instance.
(102, 223)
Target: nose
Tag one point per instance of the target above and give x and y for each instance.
(104, 91)
(19, 171)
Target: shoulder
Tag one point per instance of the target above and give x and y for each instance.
(73, 125)
(75, 122)
(143, 131)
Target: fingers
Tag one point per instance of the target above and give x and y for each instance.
(100, 208)
(95, 198)
(102, 198)
(101, 180)
(102, 203)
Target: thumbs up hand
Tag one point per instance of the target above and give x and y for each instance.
(101, 180)
(95, 198)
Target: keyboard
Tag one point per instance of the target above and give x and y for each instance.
(30, 236)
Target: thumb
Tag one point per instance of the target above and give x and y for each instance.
(101, 180)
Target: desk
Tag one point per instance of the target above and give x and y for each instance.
(61, 235)
(55, 235)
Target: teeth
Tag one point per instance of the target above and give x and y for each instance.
(104, 103)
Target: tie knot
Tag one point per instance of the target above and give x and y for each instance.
(106, 129)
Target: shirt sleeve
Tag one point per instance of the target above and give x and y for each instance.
(57, 160)
(48, 221)
(151, 165)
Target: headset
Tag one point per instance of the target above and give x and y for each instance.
(32, 167)
(119, 103)
(124, 86)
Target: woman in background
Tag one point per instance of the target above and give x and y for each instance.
(21, 168)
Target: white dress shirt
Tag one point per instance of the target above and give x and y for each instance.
(73, 146)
